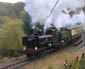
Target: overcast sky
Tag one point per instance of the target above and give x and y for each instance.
(11, 1)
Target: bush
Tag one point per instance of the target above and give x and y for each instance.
(76, 64)
(82, 64)
(72, 65)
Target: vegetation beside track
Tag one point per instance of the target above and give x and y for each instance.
(55, 60)
(77, 64)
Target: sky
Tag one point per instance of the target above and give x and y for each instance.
(11, 1)
(40, 9)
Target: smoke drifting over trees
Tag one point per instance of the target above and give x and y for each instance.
(61, 16)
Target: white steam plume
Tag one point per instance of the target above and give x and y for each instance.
(66, 20)
(40, 9)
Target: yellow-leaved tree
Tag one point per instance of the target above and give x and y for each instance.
(12, 35)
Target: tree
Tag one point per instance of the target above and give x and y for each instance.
(12, 33)
(17, 11)
(39, 26)
(8, 8)
(52, 26)
(27, 21)
(18, 7)
(71, 13)
(83, 8)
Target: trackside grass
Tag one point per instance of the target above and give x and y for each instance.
(76, 64)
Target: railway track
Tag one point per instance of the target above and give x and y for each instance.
(21, 63)
(81, 43)
(80, 46)
(16, 65)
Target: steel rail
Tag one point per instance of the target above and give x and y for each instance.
(15, 65)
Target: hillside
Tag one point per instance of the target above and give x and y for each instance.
(15, 11)
(8, 9)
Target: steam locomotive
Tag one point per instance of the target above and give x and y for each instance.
(38, 44)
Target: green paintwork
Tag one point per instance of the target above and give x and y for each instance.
(65, 35)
